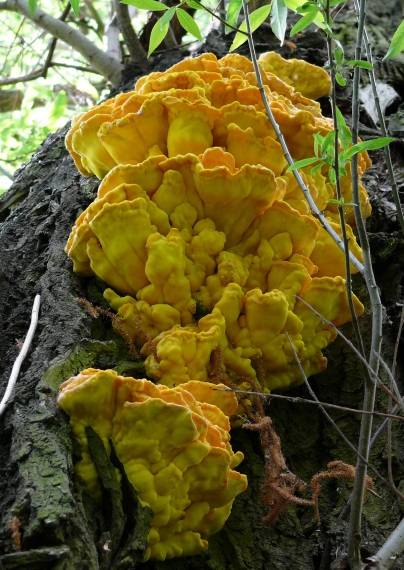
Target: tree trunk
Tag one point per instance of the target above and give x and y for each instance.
(46, 521)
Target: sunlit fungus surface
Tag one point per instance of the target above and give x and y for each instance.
(174, 446)
(202, 235)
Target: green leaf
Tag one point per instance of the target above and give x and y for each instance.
(373, 144)
(318, 140)
(194, 5)
(257, 18)
(75, 4)
(339, 54)
(188, 23)
(359, 63)
(336, 202)
(279, 16)
(233, 12)
(332, 177)
(150, 5)
(160, 29)
(315, 169)
(327, 144)
(397, 43)
(304, 22)
(340, 79)
(32, 6)
(344, 132)
(297, 6)
(302, 163)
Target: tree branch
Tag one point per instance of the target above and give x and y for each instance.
(109, 67)
(136, 50)
(387, 556)
(42, 71)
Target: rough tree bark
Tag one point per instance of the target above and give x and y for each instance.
(45, 519)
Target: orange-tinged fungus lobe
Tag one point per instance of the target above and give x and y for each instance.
(173, 445)
(213, 262)
(200, 211)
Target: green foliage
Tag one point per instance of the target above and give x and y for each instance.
(397, 43)
(188, 23)
(279, 16)
(233, 13)
(257, 17)
(32, 6)
(22, 131)
(324, 150)
(373, 144)
(75, 4)
(149, 5)
(308, 18)
(160, 29)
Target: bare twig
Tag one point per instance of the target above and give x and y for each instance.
(109, 67)
(397, 343)
(10, 47)
(389, 425)
(22, 78)
(355, 522)
(136, 50)
(23, 353)
(72, 66)
(386, 557)
(43, 70)
(98, 20)
(373, 377)
(221, 20)
(364, 459)
(300, 400)
(306, 192)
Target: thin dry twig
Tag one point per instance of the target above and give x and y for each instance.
(364, 459)
(300, 400)
(374, 377)
(106, 65)
(23, 353)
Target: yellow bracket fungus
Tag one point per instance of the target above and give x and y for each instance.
(173, 445)
(196, 208)
(311, 81)
(213, 259)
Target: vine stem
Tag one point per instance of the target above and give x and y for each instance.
(306, 192)
(355, 522)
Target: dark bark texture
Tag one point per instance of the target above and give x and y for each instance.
(46, 521)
